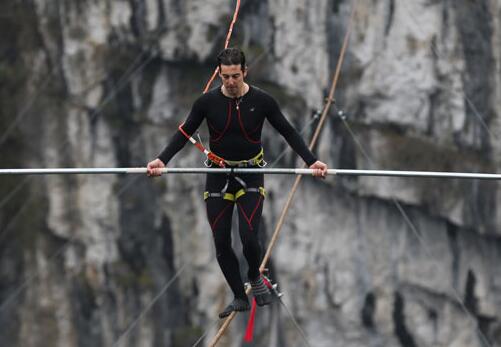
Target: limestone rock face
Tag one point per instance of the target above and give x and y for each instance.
(129, 261)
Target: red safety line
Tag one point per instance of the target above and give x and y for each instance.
(249, 332)
(213, 157)
(197, 144)
(227, 42)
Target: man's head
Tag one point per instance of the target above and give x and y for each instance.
(232, 70)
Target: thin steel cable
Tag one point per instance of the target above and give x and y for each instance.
(14, 191)
(132, 325)
(200, 339)
(454, 290)
(287, 149)
(480, 117)
(296, 324)
(123, 81)
(13, 220)
(415, 231)
(316, 134)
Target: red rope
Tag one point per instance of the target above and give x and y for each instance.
(249, 332)
(227, 42)
(213, 157)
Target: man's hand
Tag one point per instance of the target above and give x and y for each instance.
(320, 169)
(154, 167)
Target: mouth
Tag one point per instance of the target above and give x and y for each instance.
(232, 90)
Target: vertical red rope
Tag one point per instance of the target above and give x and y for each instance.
(226, 43)
(249, 332)
(212, 156)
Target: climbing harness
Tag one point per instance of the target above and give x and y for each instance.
(256, 161)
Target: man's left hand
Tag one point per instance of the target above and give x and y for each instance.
(320, 169)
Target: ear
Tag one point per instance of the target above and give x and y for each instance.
(244, 71)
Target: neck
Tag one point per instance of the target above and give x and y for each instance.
(241, 92)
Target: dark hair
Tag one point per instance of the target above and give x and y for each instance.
(231, 56)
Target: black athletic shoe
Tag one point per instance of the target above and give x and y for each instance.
(261, 292)
(238, 305)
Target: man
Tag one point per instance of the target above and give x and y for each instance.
(235, 114)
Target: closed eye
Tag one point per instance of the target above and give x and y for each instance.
(235, 76)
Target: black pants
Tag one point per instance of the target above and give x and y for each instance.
(219, 213)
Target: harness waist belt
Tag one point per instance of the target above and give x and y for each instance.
(257, 160)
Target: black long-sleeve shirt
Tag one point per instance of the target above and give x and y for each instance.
(235, 125)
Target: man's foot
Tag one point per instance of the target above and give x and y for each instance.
(238, 305)
(261, 292)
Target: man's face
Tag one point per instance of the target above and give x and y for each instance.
(233, 78)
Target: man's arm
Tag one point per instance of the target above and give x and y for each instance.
(282, 125)
(178, 140)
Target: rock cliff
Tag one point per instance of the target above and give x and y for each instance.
(129, 261)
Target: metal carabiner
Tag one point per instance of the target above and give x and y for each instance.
(208, 163)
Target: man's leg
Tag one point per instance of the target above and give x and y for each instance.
(250, 207)
(219, 213)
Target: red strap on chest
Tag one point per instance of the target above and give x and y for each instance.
(212, 157)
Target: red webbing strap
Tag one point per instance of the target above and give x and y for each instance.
(212, 157)
(216, 159)
(227, 42)
(249, 332)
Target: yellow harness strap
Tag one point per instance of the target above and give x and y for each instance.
(237, 195)
(257, 160)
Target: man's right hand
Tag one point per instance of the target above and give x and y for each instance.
(154, 168)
